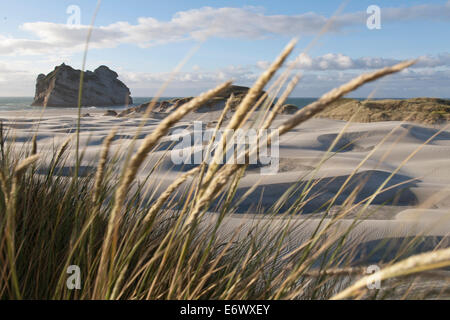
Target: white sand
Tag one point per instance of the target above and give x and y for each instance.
(422, 208)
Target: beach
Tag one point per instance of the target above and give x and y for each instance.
(402, 167)
(224, 151)
(417, 195)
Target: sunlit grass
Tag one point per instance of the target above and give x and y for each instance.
(131, 244)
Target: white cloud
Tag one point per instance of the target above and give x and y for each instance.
(427, 80)
(239, 74)
(339, 61)
(199, 24)
(412, 83)
(17, 77)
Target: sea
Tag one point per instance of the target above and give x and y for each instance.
(24, 103)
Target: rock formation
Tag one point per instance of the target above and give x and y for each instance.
(60, 88)
(217, 103)
(288, 109)
(110, 113)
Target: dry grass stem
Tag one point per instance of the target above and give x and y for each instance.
(417, 263)
(102, 163)
(245, 105)
(166, 194)
(314, 108)
(300, 116)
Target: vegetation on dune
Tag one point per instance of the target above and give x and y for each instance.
(421, 110)
(130, 245)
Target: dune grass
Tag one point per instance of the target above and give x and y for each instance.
(131, 245)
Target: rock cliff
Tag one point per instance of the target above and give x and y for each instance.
(60, 88)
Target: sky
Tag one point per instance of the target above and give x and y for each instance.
(144, 42)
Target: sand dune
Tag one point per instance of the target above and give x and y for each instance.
(419, 196)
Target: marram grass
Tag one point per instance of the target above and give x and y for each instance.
(131, 246)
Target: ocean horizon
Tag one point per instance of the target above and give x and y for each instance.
(24, 103)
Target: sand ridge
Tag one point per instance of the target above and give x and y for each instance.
(423, 180)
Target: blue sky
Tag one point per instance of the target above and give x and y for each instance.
(144, 40)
